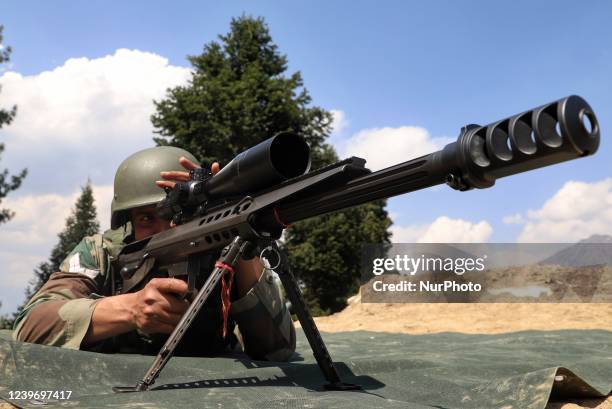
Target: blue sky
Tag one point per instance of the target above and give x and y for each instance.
(432, 65)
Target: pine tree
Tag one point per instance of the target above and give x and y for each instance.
(7, 183)
(239, 95)
(82, 222)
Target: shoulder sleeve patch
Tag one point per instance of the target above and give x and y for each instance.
(84, 259)
(74, 266)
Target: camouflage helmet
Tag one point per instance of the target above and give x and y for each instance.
(135, 180)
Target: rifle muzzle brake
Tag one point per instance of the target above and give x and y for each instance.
(556, 132)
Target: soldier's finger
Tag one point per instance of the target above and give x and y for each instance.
(175, 175)
(170, 318)
(187, 164)
(176, 305)
(169, 303)
(163, 328)
(215, 167)
(170, 285)
(165, 183)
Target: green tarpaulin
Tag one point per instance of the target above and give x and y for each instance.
(448, 370)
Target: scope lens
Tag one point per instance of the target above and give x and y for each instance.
(290, 155)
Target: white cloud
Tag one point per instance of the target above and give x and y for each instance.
(89, 101)
(516, 218)
(84, 117)
(407, 234)
(443, 230)
(340, 121)
(39, 218)
(383, 147)
(87, 98)
(577, 211)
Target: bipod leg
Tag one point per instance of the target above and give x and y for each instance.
(229, 257)
(309, 327)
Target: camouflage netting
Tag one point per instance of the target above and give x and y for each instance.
(516, 370)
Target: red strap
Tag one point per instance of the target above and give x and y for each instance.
(226, 289)
(278, 219)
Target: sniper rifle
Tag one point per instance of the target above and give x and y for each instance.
(266, 188)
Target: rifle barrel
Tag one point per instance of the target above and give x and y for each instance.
(562, 130)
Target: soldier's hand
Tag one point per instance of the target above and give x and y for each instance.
(174, 176)
(157, 307)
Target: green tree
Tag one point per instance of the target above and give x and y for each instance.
(7, 183)
(239, 95)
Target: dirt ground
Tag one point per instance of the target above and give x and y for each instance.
(473, 319)
(412, 318)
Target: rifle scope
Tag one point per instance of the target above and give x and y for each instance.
(282, 157)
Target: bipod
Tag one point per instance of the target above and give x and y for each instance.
(309, 327)
(227, 261)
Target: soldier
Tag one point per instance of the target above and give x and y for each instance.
(78, 308)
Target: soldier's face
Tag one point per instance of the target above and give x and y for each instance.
(147, 222)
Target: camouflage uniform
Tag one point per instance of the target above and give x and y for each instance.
(60, 312)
